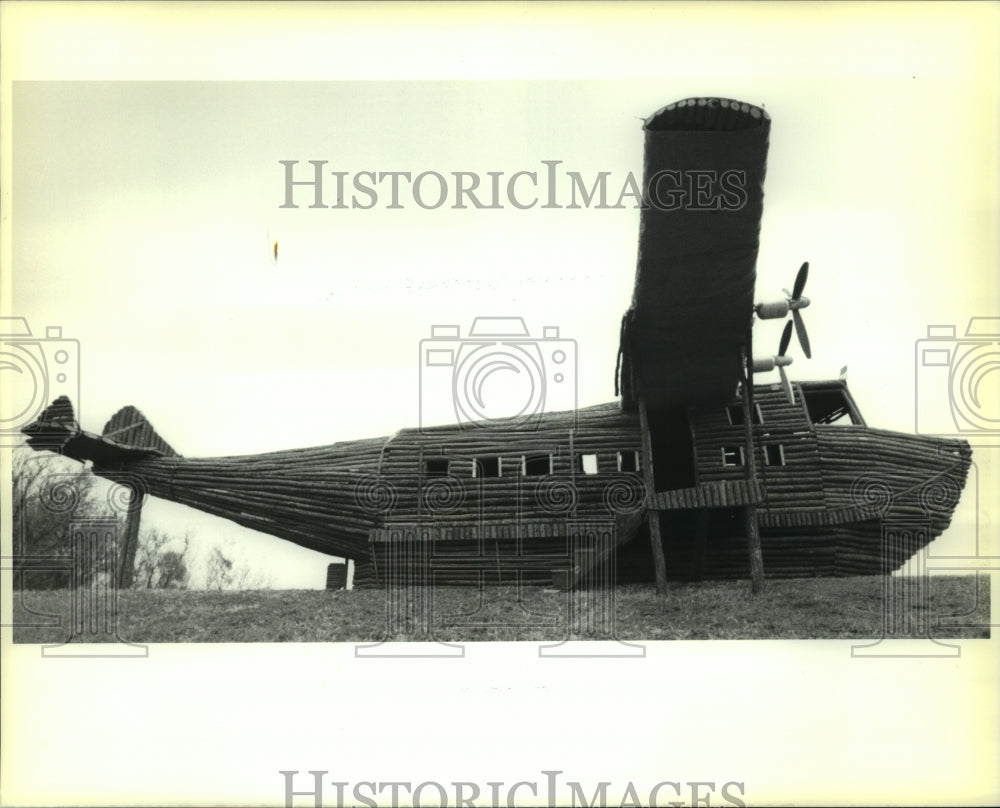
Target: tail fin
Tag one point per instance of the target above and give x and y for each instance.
(54, 426)
(59, 412)
(127, 436)
(129, 428)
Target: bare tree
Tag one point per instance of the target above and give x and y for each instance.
(161, 561)
(224, 572)
(49, 492)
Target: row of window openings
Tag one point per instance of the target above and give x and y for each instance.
(528, 465)
(774, 455)
(540, 465)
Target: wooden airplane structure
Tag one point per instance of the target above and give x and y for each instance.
(695, 473)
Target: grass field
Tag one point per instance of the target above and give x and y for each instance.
(945, 607)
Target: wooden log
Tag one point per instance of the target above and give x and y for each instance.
(655, 539)
(130, 541)
(336, 576)
(750, 512)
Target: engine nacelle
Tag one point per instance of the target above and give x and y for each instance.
(772, 311)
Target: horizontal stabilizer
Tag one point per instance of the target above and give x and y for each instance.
(129, 428)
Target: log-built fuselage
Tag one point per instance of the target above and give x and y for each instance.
(502, 501)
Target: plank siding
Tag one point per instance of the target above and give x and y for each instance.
(821, 512)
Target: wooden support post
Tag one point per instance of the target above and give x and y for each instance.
(655, 541)
(751, 528)
(130, 541)
(756, 557)
(336, 576)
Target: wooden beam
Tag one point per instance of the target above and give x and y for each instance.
(655, 540)
(130, 542)
(853, 408)
(751, 528)
(753, 542)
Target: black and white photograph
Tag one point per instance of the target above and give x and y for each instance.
(399, 400)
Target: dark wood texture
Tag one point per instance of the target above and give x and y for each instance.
(655, 537)
(130, 541)
(698, 242)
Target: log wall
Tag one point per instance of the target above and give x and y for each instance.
(818, 507)
(320, 498)
(457, 492)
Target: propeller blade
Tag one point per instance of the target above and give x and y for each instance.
(800, 332)
(786, 337)
(800, 281)
(788, 387)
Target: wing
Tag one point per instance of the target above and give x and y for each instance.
(703, 176)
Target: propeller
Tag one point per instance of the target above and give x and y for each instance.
(779, 361)
(794, 301)
(797, 301)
